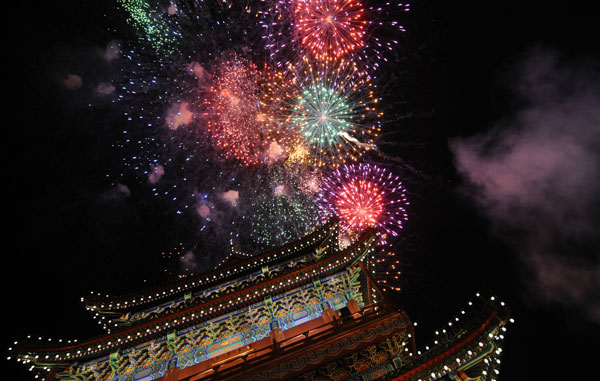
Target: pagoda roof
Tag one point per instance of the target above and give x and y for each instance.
(159, 327)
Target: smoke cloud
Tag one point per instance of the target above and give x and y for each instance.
(73, 81)
(203, 210)
(179, 115)
(275, 151)
(537, 176)
(117, 192)
(104, 88)
(113, 50)
(188, 261)
(197, 70)
(156, 174)
(231, 196)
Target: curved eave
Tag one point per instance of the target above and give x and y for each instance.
(423, 367)
(205, 311)
(143, 298)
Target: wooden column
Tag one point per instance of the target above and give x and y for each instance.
(353, 307)
(276, 335)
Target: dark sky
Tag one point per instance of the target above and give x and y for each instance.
(458, 72)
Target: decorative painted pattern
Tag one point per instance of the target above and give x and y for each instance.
(199, 343)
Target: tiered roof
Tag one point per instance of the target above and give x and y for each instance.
(320, 259)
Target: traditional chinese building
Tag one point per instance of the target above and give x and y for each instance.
(309, 310)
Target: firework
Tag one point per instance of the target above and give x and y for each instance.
(152, 24)
(365, 196)
(329, 30)
(334, 112)
(310, 181)
(234, 146)
(281, 214)
(238, 114)
(158, 82)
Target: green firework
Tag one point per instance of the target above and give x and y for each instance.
(284, 212)
(323, 115)
(151, 24)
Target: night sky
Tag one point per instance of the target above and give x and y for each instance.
(496, 129)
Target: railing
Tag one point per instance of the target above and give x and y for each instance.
(253, 358)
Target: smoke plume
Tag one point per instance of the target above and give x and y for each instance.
(537, 176)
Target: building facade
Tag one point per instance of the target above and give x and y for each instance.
(309, 310)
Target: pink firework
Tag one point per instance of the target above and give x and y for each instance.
(365, 196)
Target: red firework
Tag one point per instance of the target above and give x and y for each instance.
(240, 121)
(330, 29)
(364, 196)
(360, 204)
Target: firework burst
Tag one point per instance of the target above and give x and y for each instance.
(152, 23)
(237, 109)
(364, 196)
(282, 214)
(329, 30)
(334, 112)
(160, 76)
(236, 144)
